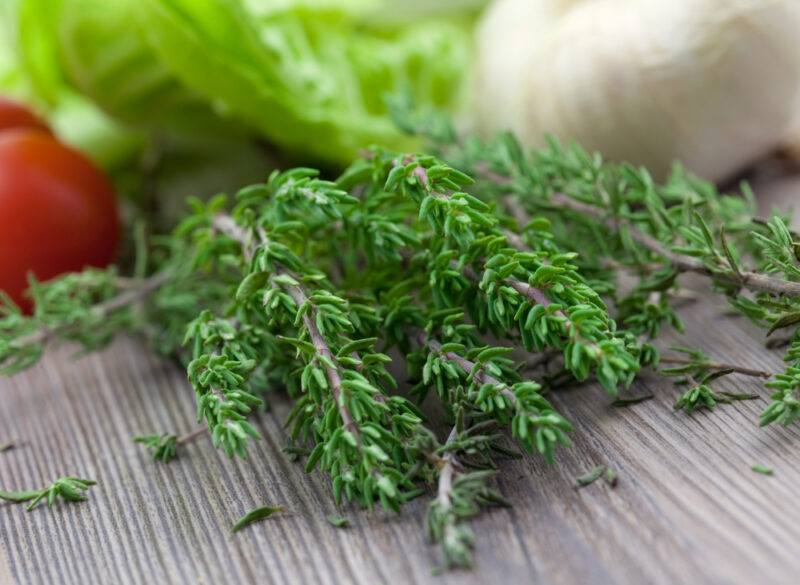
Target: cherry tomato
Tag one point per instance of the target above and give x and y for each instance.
(14, 115)
(57, 211)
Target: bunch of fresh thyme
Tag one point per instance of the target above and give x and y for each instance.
(463, 263)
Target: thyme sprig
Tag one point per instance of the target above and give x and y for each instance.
(70, 489)
(477, 265)
(100, 310)
(356, 431)
(616, 215)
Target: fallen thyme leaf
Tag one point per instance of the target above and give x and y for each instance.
(611, 477)
(622, 402)
(338, 521)
(7, 446)
(590, 477)
(256, 515)
(762, 469)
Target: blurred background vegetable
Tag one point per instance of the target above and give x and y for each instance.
(57, 210)
(155, 90)
(14, 115)
(177, 98)
(712, 83)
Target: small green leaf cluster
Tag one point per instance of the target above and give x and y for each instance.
(70, 489)
(464, 466)
(785, 406)
(596, 473)
(534, 294)
(68, 305)
(445, 520)
(698, 397)
(163, 448)
(482, 381)
(221, 364)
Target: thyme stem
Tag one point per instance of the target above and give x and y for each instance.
(469, 366)
(447, 472)
(189, 437)
(299, 297)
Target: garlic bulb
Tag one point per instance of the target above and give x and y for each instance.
(712, 83)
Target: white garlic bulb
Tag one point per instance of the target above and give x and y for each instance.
(713, 83)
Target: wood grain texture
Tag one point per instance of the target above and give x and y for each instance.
(687, 509)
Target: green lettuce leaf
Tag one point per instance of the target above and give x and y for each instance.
(31, 71)
(311, 76)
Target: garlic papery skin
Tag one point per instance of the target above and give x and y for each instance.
(712, 83)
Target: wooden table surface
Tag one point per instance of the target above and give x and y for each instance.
(687, 509)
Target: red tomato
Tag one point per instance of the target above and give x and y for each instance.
(57, 211)
(14, 115)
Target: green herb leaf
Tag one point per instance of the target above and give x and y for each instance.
(763, 470)
(590, 477)
(20, 496)
(338, 521)
(786, 320)
(623, 402)
(163, 448)
(728, 253)
(255, 515)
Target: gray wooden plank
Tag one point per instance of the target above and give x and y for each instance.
(687, 508)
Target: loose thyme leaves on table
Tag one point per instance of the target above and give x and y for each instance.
(608, 474)
(164, 447)
(623, 402)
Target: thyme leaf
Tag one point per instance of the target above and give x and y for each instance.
(255, 515)
(590, 477)
(338, 521)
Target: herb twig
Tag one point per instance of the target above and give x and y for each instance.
(129, 295)
(71, 489)
(165, 447)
